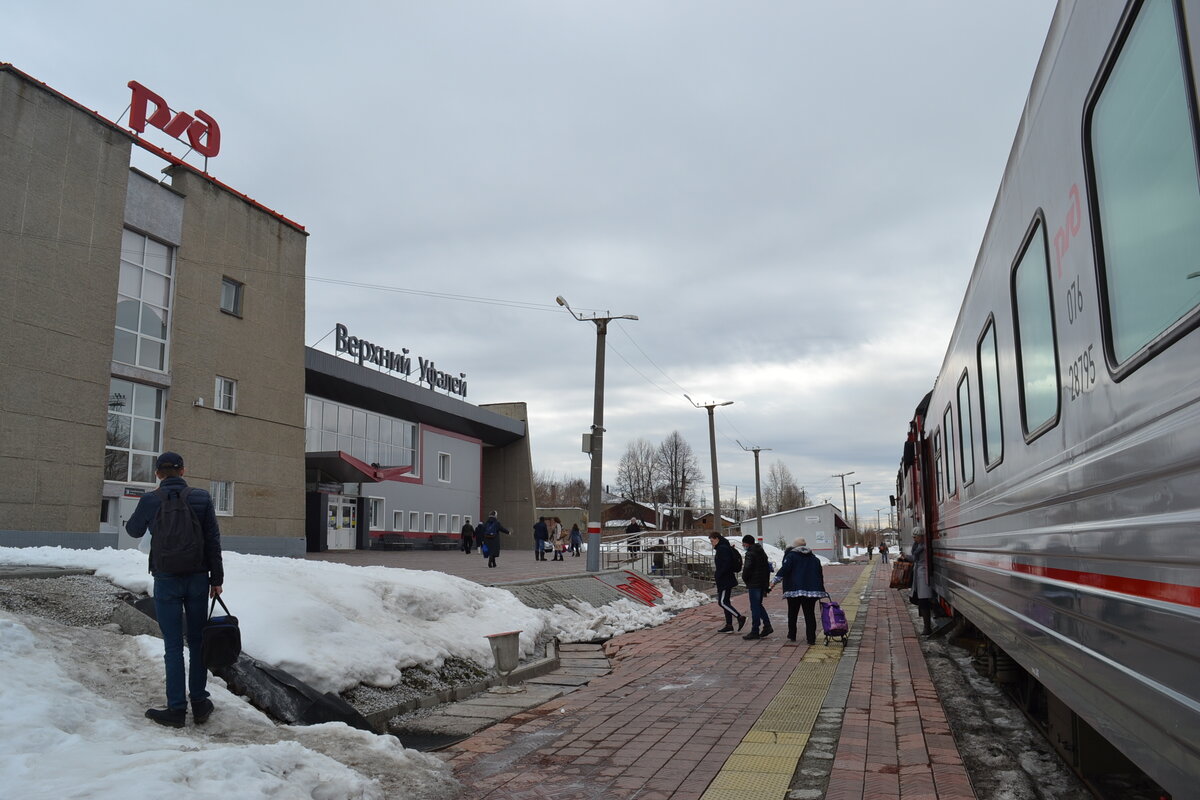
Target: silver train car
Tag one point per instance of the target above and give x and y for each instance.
(1055, 465)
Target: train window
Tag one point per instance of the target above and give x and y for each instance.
(1141, 151)
(937, 463)
(1033, 322)
(989, 396)
(948, 427)
(966, 430)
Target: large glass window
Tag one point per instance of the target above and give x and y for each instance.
(937, 464)
(966, 430)
(143, 302)
(989, 396)
(1033, 319)
(370, 437)
(948, 427)
(134, 436)
(1146, 198)
(231, 296)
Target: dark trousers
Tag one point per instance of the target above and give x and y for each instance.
(758, 612)
(726, 606)
(180, 600)
(539, 549)
(575, 548)
(466, 545)
(809, 604)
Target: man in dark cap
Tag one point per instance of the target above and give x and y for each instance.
(185, 559)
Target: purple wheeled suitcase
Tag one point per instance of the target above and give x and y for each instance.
(833, 620)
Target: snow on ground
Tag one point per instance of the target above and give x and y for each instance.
(72, 701)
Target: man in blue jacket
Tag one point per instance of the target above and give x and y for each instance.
(181, 594)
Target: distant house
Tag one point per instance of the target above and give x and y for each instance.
(569, 515)
(821, 525)
(627, 510)
(705, 522)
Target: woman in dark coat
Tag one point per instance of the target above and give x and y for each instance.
(803, 584)
(725, 568)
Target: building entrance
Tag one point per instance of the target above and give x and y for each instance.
(342, 522)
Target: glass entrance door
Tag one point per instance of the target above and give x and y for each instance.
(342, 522)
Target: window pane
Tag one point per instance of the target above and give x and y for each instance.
(118, 430)
(120, 396)
(116, 465)
(360, 424)
(1145, 184)
(312, 440)
(132, 246)
(158, 257)
(948, 427)
(937, 464)
(373, 427)
(143, 469)
(125, 347)
(151, 356)
(345, 415)
(328, 442)
(989, 392)
(128, 311)
(130, 282)
(145, 435)
(154, 322)
(329, 418)
(1038, 364)
(147, 401)
(156, 289)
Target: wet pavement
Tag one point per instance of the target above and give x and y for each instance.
(688, 713)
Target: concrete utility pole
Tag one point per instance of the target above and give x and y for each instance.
(712, 447)
(757, 487)
(838, 539)
(854, 495)
(596, 490)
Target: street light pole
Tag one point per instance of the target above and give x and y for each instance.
(837, 538)
(854, 496)
(596, 492)
(757, 487)
(712, 447)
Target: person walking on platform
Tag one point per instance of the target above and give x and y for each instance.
(540, 535)
(479, 536)
(491, 537)
(576, 540)
(468, 536)
(870, 552)
(922, 592)
(726, 564)
(756, 574)
(803, 584)
(883, 553)
(558, 539)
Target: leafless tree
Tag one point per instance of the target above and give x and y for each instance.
(637, 475)
(678, 471)
(551, 491)
(781, 492)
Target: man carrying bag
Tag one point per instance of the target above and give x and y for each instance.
(185, 560)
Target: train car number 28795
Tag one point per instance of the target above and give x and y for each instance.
(1081, 373)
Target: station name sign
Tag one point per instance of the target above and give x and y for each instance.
(370, 353)
(203, 133)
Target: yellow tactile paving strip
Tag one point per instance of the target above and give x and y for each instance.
(762, 766)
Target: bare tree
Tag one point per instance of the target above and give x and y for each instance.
(551, 491)
(678, 470)
(781, 492)
(637, 473)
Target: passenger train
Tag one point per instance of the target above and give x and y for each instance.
(1055, 465)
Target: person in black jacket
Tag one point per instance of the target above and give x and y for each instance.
(725, 562)
(181, 597)
(468, 536)
(492, 529)
(540, 535)
(756, 574)
(803, 584)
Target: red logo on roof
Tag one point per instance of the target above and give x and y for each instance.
(202, 131)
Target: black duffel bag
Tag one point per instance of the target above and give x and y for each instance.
(222, 639)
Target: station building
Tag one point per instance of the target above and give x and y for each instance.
(822, 525)
(141, 314)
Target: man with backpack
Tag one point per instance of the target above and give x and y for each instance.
(492, 529)
(727, 563)
(185, 560)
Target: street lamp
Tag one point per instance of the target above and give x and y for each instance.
(838, 539)
(854, 496)
(757, 487)
(596, 492)
(712, 447)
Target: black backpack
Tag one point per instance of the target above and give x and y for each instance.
(737, 559)
(176, 541)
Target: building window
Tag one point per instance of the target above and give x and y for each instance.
(225, 394)
(134, 431)
(222, 494)
(143, 302)
(444, 467)
(948, 427)
(397, 520)
(966, 430)
(455, 525)
(375, 516)
(231, 296)
(429, 523)
(1033, 322)
(989, 396)
(442, 524)
(414, 521)
(1142, 179)
(937, 464)
(370, 437)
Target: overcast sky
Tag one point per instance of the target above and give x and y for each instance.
(789, 195)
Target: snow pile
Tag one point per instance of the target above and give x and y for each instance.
(583, 622)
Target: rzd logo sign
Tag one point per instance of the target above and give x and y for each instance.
(634, 586)
(203, 133)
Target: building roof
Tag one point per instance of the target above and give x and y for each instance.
(344, 381)
(837, 516)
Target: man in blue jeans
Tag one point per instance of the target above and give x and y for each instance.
(756, 574)
(181, 597)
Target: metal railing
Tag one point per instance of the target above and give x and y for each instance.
(664, 554)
